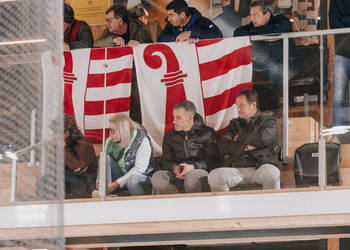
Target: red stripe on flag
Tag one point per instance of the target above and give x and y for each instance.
(224, 100)
(113, 53)
(224, 64)
(221, 132)
(95, 80)
(95, 135)
(112, 106)
(113, 78)
(171, 79)
(203, 43)
(122, 76)
(97, 54)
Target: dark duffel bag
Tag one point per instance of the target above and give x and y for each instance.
(306, 164)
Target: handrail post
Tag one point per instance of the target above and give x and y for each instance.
(285, 96)
(103, 174)
(322, 168)
(43, 161)
(322, 176)
(32, 138)
(13, 180)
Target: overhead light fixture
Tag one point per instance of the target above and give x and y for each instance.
(4, 1)
(23, 41)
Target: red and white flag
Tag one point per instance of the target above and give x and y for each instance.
(97, 81)
(209, 73)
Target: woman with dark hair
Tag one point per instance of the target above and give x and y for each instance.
(80, 161)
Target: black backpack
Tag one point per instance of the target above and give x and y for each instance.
(306, 164)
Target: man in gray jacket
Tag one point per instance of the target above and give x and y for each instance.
(249, 148)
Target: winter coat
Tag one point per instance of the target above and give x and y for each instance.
(200, 27)
(276, 25)
(197, 146)
(260, 132)
(79, 35)
(135, 31)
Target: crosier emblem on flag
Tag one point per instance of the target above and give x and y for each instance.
(215, 71)
(97, 81)
(173, 79)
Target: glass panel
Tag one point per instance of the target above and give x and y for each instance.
(31, 164)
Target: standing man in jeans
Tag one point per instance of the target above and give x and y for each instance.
(249, 148)
(189, 153)
(339, 17)
(267, 56)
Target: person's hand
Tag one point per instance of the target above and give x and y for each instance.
(192, 40)
(66, 47)
(249, 147)
(119, 41)
(133, 43)
(185, 169)
(79, 169)
(112, 186)
(184, 36)
(177, 172)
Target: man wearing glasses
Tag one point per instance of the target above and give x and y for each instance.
(121, 30)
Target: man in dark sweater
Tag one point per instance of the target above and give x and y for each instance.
(339, 17)
(77, 34)
(249, 148)
(187, 24)
(267, 56)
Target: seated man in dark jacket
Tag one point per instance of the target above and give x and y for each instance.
(187, 24)
(189, 151)
(249, 148)
(267, 56)
(77, 34)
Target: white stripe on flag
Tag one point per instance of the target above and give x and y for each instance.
(218, 85)
(98, 66)
(120, 90)
(222, 118)
(222, 48)
(96, 121)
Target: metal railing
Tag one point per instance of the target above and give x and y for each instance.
(14, 157)
(286, 37)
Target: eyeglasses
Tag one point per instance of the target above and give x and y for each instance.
(109, 20)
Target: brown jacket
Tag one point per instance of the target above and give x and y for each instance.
(84, 157)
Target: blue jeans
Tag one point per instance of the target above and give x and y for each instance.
(135, 183)
(341, 69)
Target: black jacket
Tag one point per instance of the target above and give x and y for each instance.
(276, 25)
(261, 133)
(197, 146)
(200, 27)
(339, 17)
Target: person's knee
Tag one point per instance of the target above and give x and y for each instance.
(160, 179)
(216, 176)
(196, 180)
(133, 181)
(270, 173)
